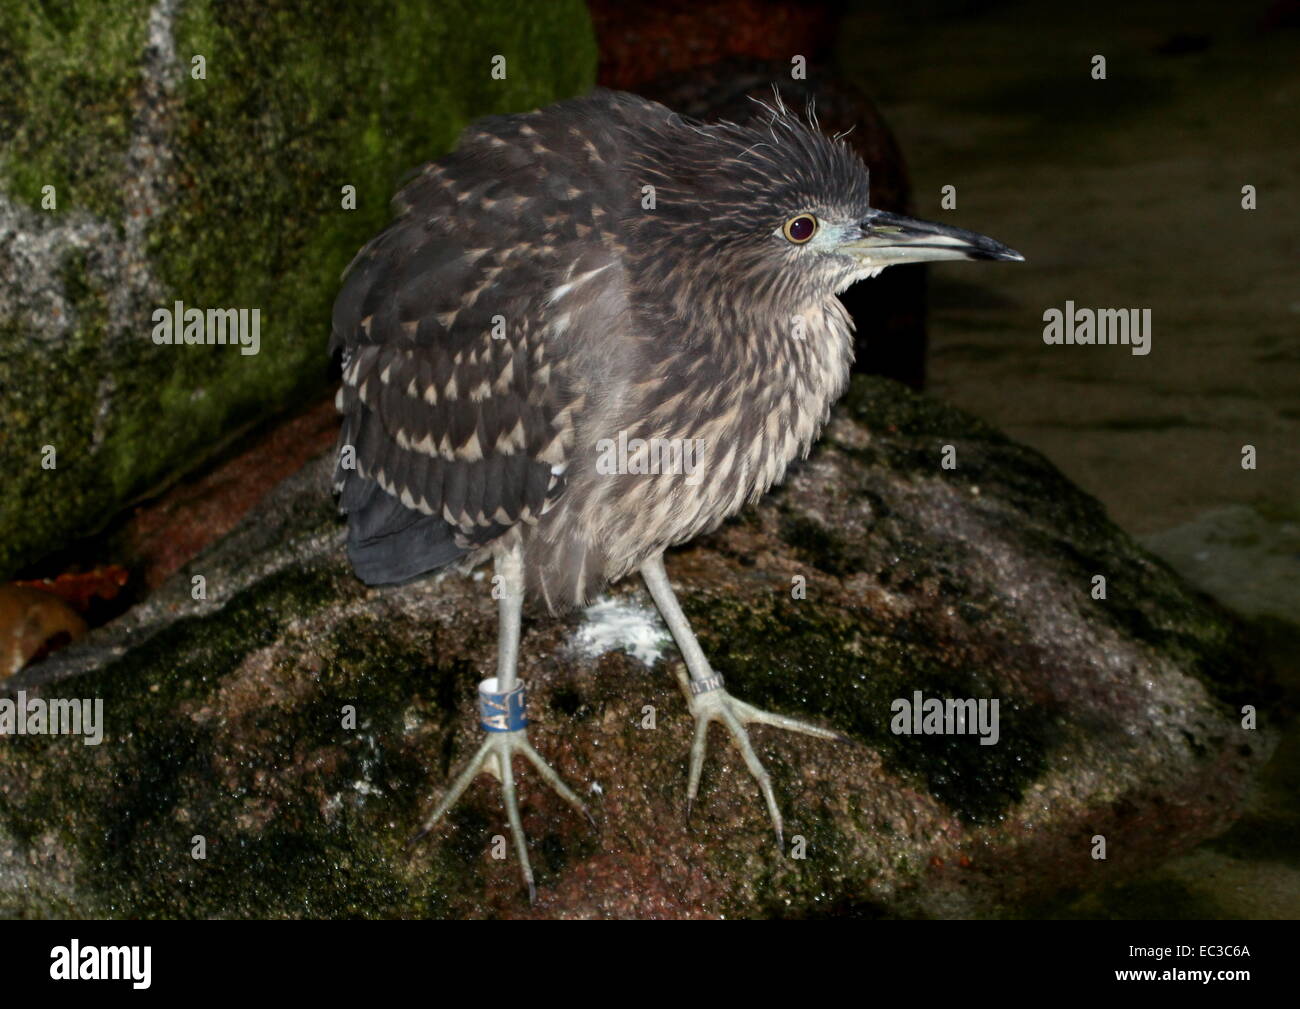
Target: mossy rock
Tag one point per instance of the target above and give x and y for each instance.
(873, 573)
(219, 192)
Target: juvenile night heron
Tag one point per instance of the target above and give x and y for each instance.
(600, 274)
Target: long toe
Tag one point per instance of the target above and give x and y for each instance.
(740, 736)
(457, 789)
(554, 780)
(751, 715)
(699, 748)
(718, 705)
(511, 801)
(495, 755)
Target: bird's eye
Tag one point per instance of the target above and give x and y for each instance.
(799, 229)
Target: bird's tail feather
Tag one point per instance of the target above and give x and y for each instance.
(389, 543)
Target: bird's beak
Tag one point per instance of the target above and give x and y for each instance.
(889, 239)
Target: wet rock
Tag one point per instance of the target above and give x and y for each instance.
(226, 717)
(129, 183)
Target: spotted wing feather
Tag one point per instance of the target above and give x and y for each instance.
(455, 405)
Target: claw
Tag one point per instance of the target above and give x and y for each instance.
(556, 782)
(713, 703)
(498, 749)
(719, 706)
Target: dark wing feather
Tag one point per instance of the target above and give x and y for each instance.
(458, 435)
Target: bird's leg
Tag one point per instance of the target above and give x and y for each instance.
(709, 702)
(502, 701)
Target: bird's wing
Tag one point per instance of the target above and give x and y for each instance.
(458, 326)
(454, 406)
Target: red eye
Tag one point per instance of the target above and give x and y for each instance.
(799, 229)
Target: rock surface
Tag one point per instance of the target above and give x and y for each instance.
(224, 716)
(221, 192)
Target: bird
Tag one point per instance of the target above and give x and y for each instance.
(591, 333)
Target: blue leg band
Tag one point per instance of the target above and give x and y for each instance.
(502, 712)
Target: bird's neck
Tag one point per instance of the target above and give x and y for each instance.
(797, 353)
(761, 385)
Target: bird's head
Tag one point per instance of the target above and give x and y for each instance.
(772, 211)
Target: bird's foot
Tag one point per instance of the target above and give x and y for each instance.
(503, 719)
(709, 702)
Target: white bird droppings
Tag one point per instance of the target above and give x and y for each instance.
(621, 624)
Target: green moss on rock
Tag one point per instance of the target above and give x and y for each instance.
(241, 207)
